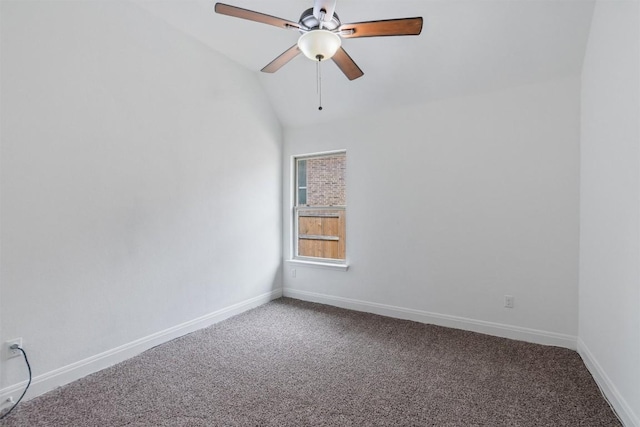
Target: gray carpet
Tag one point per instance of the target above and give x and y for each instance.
(293, 363)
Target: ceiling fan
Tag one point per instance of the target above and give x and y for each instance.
(322, 33)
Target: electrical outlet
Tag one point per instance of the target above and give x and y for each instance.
(508, 301)
(11, 352)
(7, 402)
(293, 272)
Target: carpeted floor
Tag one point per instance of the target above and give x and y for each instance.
(293, 363)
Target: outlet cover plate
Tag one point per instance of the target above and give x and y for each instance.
(508, 301)
(13, 353)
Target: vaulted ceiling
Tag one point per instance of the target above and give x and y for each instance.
(466, 47)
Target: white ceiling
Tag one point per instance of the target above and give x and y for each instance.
(466, 46)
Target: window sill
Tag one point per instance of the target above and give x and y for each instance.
(317, 264)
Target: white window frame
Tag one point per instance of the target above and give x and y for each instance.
(338, 264)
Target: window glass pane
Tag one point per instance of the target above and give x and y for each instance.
(325, 180)
(321, 233)
(302, 173)
(302, 182)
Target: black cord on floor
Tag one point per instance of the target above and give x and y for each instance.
(26, 388)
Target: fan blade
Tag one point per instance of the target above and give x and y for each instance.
(347, 65)
(281, 60)
(250, 15)
(389, 27)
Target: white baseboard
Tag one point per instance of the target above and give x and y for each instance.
(611, 393)
(489, 328)
(66, 374)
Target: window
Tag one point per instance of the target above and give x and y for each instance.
(319, 207)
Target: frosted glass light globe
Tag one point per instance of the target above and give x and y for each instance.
(319, 44)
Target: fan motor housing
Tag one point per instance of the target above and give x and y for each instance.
(311, 22)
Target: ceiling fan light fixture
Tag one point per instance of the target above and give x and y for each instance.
(319, 44)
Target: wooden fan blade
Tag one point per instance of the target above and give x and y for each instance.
(389, 27)
(347, 65)
(281, 60)
(250, 15)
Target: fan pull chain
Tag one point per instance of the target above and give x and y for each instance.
(319, 84)
(318, 77)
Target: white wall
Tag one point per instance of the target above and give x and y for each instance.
(141, 175)
(610, 205)
(452, 205)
